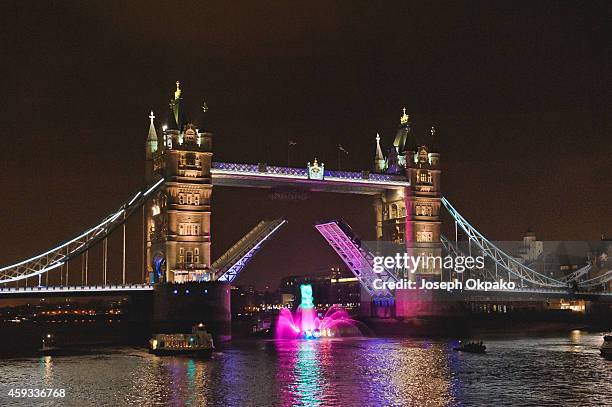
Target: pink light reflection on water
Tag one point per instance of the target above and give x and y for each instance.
(335, 322)
(305, 369)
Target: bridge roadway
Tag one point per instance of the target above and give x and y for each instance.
(522, 294)
(266, 176)
(87, 290)
(518, 294)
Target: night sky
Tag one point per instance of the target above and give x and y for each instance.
(520, 94)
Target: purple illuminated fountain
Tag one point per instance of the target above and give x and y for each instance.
(307, 324)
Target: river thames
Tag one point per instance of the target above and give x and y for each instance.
(534, 371)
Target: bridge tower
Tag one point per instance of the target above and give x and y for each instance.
(178, 216)
(422, 202)
(411, 216)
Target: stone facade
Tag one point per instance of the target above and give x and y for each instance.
(178, 216)
(411, 216)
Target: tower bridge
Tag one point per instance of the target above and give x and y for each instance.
(176, 207)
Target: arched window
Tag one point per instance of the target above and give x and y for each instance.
(393, 211)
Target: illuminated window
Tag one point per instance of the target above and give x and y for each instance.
(196, 255)
(183, 160)
(424, 236)
(189, 257)
(393, 211)
(189, 199)
(189, 229)
(424, 210)
(181, 255)
(424, 176)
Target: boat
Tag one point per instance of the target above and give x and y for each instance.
(198, 343)
(471, 347)
(606, 347)
(49, 347)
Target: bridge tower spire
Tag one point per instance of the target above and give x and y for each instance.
(379, 158)
(402, 138)
(152, 142)
(178, 215)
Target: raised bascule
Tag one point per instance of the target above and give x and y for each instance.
(187, 285)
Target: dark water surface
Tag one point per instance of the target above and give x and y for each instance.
(535, 371)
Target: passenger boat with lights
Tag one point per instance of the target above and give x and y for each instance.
(606, 347)
(198, 343)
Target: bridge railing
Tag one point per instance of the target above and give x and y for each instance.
(303, 172)
(61, 254)
(597, 281)
(228, 266)
(76, 288)
(357, 257)
(506, 262)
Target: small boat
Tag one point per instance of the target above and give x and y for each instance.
(606, 347)
(49, 347)
(471, 347)
(198, 343)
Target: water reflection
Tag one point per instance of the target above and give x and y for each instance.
(46, 368)
(302, 374)
(331, 373)
(363, 372)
